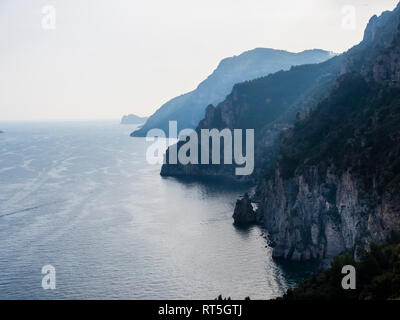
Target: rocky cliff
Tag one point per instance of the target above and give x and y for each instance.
(336, 181)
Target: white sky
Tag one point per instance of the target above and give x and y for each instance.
(107, 58)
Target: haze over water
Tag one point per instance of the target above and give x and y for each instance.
(81, 197)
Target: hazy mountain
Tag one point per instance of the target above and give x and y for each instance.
(133, 119)
(189, 108)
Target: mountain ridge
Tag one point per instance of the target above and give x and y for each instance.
(189, 108)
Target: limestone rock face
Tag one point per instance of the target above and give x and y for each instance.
(314, 217)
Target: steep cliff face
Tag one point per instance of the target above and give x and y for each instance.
(336, 183)
(314, 217)
(323, 207)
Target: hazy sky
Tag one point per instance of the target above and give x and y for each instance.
(106, 58)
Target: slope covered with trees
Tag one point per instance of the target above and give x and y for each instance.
(377, 277)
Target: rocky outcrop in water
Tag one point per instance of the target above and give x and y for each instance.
(244, 214)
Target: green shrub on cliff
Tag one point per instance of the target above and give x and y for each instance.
(377, 277)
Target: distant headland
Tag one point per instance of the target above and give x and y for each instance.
(133, 119)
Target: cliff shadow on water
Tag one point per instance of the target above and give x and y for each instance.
(212, 185)
(296, 272)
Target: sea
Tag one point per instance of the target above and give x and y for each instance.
(81, 197)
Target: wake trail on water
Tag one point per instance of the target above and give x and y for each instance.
(28, 209)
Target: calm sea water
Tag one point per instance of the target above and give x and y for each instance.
(81, 197)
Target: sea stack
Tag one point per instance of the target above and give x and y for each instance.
(244, 214)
